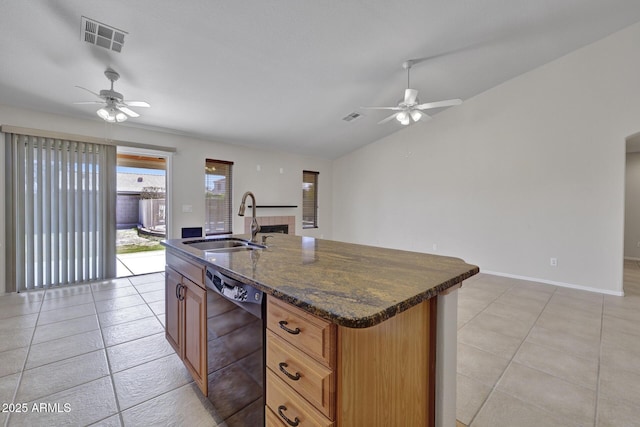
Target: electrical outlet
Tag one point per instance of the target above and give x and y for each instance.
(435, 247)
(553, 262)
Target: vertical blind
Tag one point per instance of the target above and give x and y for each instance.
(310, 199)
(218, 190)
(62, 213)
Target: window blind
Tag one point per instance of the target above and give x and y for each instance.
(310, 199)
(61, 213)
(218, 190)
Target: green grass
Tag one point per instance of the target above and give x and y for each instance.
(131, 249)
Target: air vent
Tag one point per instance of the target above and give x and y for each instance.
(351, 117)
(102, 35)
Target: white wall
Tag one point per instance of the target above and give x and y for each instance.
(187, 186)
(632, 207)
(529, 170)
(3, 285)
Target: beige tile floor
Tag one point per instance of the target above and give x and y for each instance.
(98, 351)
(531, 354)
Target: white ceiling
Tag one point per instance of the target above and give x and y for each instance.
(281, 74)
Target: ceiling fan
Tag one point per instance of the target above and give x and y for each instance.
(410, 108)
(115, 108)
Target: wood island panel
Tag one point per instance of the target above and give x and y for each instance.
(386, 373)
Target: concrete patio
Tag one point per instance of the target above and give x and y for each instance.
(140, 263)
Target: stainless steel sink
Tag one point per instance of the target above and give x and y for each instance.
(223, 244)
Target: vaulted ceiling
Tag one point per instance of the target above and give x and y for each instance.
(281, 75)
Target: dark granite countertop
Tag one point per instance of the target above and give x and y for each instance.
(351, 285)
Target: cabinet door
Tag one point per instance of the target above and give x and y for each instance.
(195, 332)
(173, 310)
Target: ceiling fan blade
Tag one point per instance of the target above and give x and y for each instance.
(383, 108)
(438, 104)
(90, 91)
(136, 104)
(410, 96)
(89, 102)
(127, 111)
(388, 118)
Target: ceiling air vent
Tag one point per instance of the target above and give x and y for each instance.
(102, 35)
(351, 117)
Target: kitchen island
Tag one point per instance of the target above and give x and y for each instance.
(355, 335)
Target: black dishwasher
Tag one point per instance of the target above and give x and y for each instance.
(236, 336)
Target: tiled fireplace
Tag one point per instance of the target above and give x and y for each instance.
(272, 224)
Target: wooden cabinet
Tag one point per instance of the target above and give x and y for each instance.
(300, 367)
(313, 380)
(319, 374)
(173, 309)
(195, 332)
(186, 315)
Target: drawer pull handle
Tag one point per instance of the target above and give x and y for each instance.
(282, 324)
(282, 367)
(293, 423)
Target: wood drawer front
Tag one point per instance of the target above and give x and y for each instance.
(316, 336)
(271, 419)
(316, 382)
(280, 395)
(189, 269)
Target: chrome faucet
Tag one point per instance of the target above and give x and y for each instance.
(255, 228)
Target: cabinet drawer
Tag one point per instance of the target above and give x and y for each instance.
(309, 333)
(191, 270)
(312, 380)
(285, 402)
(271, 419)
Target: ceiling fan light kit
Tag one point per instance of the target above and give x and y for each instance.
(410, 108)
(115, 108)
(111, 115)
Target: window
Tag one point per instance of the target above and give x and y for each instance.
(310, 199)
(217, 197)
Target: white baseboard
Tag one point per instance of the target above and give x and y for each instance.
(630, 258)
(553, 282)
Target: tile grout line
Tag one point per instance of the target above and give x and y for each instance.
(595, 414)
(110, 371)
(493, 389)
(38, 313)
(157, 319)
(106, 353)
(478, 313)
(24, 364)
